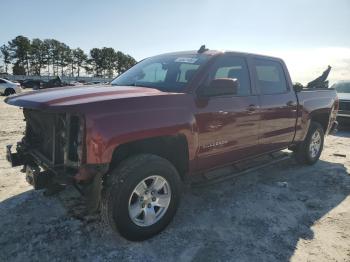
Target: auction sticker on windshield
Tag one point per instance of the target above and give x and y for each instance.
(189, 60)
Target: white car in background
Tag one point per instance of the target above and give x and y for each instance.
(8, 88)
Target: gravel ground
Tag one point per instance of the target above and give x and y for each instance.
(279, 213)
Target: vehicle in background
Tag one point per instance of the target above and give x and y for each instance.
(127, 146)
(4, 75)
(56, 82)
(30, 83)
(8, 88)
(343, 90)
(75, 83)
(93, 83)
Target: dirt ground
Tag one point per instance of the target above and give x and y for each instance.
(254, 217)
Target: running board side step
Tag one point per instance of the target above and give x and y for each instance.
(238, 169)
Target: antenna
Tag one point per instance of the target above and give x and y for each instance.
(202, 49)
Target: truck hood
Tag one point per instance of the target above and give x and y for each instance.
(64, 97)
(344, 96)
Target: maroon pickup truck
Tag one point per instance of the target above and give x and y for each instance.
(128, 146)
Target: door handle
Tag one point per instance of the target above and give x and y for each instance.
(291, 103)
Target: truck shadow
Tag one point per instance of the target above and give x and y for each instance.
(260, 216)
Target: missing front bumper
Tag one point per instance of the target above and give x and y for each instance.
(38, 179)
(15, 159)
(41, 174)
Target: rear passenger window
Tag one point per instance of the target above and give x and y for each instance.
(270, 77)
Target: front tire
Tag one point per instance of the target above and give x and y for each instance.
(9, 91)
(141, 196)
(309, 151)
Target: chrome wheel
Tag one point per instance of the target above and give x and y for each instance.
(149, 201)
(315, 144)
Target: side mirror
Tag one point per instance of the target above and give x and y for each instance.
(224, 86)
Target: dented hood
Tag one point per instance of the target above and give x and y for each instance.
(67, 97)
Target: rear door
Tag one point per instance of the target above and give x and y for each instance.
(278, 104)
(227, 124)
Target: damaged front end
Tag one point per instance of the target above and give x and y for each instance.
(52, 154)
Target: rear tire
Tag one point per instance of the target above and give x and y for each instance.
(121, 204)
(309, 151)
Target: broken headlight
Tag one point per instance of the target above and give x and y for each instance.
(76, 139)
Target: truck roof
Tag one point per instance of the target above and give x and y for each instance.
(216, 52)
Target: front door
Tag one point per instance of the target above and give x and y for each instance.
(227, 123)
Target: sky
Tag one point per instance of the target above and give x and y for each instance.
(307, 34)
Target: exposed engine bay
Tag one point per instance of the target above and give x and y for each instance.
(51, 147)
(52, 155)
(56, 138)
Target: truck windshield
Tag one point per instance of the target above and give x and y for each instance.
(342, 87)
(169, 73)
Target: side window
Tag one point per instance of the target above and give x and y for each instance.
(153, 73)
(186, 72)
(229, 66)
(2, 81)
(270, 77)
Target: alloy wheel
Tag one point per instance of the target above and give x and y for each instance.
(149, 201)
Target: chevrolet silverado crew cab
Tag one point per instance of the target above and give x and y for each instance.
(127, 146)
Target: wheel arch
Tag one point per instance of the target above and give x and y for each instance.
(322, 117)
(174, 148)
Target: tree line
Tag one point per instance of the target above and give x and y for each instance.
(52, 57)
